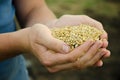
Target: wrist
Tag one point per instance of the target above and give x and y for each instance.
(20, 40)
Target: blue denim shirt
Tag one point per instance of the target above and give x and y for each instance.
(13, 68)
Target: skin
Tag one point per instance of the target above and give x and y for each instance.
(32, 40)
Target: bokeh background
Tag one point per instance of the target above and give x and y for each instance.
(105, 11)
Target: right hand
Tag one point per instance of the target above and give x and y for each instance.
(76, 59)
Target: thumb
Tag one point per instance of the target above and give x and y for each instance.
(57, 45)
(50, 42)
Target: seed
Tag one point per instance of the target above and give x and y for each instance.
(74, 36)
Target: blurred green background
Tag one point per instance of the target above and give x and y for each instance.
(105, 11)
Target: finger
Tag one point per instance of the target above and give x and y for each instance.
(62, 67)
(92, 51)
(72, 56)
(80, 51)
(58, 58)
(107, 54)
(67, 66)
(78, 64)
(99, 63)
(96, 58)
(104, 35)
(104, 38)
(75, 65)
(105, 43)
(57, 45)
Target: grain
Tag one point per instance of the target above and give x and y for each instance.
(74, 36)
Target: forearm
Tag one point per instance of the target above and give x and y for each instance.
(7, 47)
(31, 12)
(41, 15)
(11, 44)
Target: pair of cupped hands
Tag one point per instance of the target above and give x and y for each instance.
(54, 54)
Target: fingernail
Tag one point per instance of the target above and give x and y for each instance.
(100, 43)
(90, 41)
(66, 48)
(102, 53)
(101, 64)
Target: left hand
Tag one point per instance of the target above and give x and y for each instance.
(72, 20)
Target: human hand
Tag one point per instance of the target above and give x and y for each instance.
(71, 20)
(39, 34)
(55, 62)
